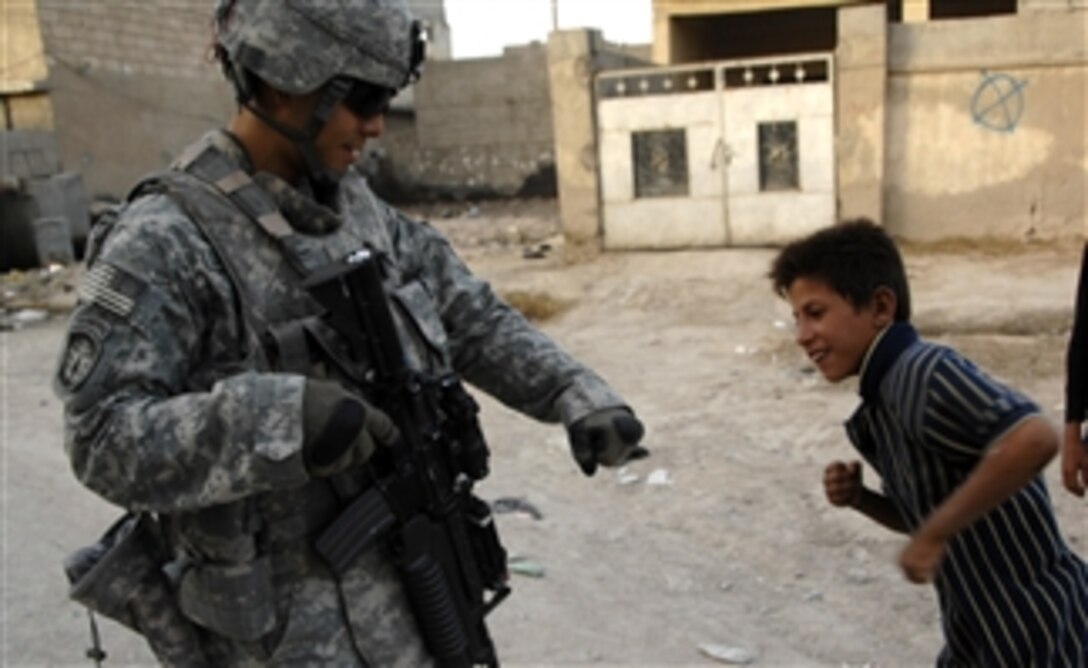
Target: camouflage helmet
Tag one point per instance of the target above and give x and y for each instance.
(296, 46)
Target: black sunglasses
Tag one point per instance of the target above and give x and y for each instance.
(367, 100)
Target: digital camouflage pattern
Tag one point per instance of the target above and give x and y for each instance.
(298, 45)
(171, 406)
(120, 578)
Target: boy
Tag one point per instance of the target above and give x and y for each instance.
(959, 454)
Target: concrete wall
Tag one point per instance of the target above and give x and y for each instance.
(986, 127)
(860, 89)
(482, 128)
(574, 58)
(130, 84)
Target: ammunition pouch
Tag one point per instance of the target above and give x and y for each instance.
(223, 584)
(233, 600)
(121, 577)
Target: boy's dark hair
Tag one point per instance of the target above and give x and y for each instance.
(854, 258)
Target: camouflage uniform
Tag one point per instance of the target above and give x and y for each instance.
(169, 407)
(181, 398)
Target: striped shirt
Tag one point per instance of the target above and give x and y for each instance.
(1011, 591)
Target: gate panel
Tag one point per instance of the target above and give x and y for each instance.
(780, 138)
(657, 132)
(733, 153)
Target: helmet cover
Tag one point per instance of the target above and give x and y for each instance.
(296, 46)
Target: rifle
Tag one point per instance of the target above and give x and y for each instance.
(420, 501)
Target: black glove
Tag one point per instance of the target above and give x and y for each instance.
(340, 430)
(608, 436)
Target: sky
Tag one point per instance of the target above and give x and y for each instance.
(482, 27)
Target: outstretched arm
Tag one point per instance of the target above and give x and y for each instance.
(1008, 465)
(492, 345)
(497, 350)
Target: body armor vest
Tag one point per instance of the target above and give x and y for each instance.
(227, 554)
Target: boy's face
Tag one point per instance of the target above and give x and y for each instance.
(833, 333)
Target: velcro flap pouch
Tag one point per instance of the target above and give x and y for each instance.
(417, 303)
(106, 576)
(234, 600)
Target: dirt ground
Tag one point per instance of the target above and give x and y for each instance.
(719, 543)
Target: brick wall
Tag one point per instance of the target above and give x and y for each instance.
(131, 84)
(482, 128)
(156, 38)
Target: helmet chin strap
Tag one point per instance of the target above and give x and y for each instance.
(324, 182)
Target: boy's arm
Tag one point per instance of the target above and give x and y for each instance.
(1074, 454)
(1008, 465)
(879, 508)
(843, 487)
(1074, 460)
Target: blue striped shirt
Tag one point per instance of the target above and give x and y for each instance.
(1011, 591)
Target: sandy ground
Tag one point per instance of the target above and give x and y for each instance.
(721, 540)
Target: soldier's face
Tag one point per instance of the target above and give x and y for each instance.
(341, 141)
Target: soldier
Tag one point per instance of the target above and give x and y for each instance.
(201, 385)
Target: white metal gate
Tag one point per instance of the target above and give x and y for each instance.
(727, 153)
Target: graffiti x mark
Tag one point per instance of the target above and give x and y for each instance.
(998, 103)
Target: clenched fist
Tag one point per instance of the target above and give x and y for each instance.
(608, 436)
(842, 483)
(340, 430)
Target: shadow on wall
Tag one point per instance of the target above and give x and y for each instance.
(388, 185)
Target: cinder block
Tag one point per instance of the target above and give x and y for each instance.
(53, 241)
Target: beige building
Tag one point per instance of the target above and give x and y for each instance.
(23, 96)
(760, 120)
(695, 30)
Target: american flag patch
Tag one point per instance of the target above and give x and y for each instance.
(111, 288)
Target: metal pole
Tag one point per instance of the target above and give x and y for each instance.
(555, 15)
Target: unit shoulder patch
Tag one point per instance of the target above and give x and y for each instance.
(80, 358)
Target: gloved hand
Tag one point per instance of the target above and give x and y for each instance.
(608, 436)
(340, 430)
